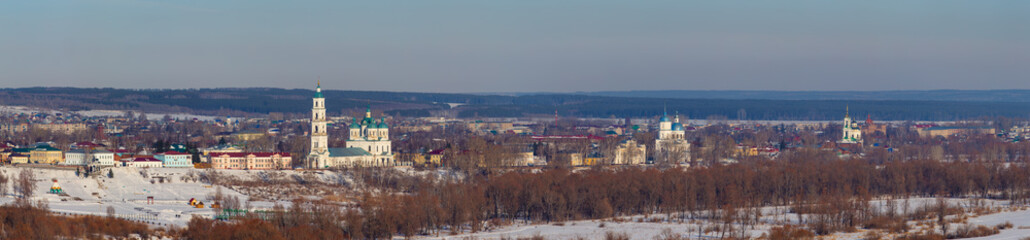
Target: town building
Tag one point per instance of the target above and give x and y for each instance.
(221, 149)
(45, 154)
(144, 162)
(174, 159)
(103, 158)
(945, 131)
(630, 152)
(871, 128)
(18, 158)
(368, 145)
(75, 157)
(251, 160)
(66, 128)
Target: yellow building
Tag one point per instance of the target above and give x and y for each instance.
(949, 131)
(66, 128)
(46, 155)
(248, 135)
(19, 158)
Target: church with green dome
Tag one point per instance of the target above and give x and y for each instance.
(368, 144)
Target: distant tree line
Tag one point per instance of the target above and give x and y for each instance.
(409, 104)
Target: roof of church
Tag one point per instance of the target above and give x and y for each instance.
(347, 152)
(318, 90)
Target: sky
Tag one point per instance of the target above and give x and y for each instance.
(517, 45)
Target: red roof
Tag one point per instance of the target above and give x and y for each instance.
(256, 154)
(145, 159)
(437, 152)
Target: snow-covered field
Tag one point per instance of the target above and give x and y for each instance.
(127, 193)
(772, 217)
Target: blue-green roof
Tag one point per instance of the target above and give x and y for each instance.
(318, 95)
(347, 152)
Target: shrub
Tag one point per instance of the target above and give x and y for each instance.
(968, 231)
(616, 236)
(790, 232)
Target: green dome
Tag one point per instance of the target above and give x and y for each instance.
(354, 124)
(318, 95)
(382, 123)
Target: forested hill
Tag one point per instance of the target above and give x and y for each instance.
(1018, 95)
(265, 100)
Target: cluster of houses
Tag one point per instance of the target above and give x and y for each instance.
(87, 154)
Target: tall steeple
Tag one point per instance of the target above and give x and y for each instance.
(319, 133)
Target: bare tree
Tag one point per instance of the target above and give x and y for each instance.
(25, 185)
(3, 184)
(110, 211)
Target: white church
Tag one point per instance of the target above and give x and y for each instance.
(670, 138)
(851, 132)
(367, 146)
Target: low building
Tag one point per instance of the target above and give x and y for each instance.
(173, 159)
(436, 156)
(630, 152)
(251, 160)
(220, 149)
(103, 158)
(145, 162)
(45, 154)
(18, 158)
(953, 130)
(66, 128)
(75, 157)
(250, 135)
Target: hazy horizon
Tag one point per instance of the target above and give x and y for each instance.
(518, 46)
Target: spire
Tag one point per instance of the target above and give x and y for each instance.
(677, 117)
(847, 111)
(318, 89)
(368, 111)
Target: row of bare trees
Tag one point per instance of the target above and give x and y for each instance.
(829, 195)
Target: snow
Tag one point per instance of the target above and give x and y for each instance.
(127, 193)
(1019, 219)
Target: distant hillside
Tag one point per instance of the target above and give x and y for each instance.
(259, 101)
(231, 100)
(915, 95)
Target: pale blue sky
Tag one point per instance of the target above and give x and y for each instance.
(517, 45)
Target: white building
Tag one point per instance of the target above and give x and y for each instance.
(75, 157)
(852, 133)
(670, 142)
(145, 162)
(368, 144)
(173, 159)
(103, 158)
(630, 152)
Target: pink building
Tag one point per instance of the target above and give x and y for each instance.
(251, 160)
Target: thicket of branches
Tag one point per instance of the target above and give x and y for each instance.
(26, 221)
(833, 194)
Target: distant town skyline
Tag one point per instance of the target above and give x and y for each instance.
(517, 46)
